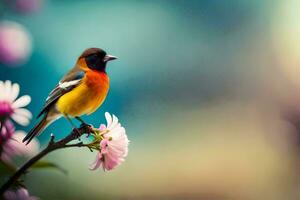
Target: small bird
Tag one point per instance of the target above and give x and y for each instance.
(81, 91)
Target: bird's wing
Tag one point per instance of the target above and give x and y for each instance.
(66, 84)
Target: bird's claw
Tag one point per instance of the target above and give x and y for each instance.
(88, 127)
(78, 134)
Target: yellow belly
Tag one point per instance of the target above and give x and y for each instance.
(81, 100)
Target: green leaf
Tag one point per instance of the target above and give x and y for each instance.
(42, 164)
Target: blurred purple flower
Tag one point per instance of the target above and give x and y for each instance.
(15, 43)
(20, 194)
(113, 146)
(27, 6)
(15, 147)
(7, 130)
(10, 106)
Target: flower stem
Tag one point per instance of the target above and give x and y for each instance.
(52, 145)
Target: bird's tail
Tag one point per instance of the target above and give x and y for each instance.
(37, 129)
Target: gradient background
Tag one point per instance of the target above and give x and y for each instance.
(199, 86)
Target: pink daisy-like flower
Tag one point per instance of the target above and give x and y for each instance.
(15, 147)
(114, 146)
(10, 106)
(20, 194)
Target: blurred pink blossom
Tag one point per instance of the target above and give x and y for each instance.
(27, 6)
(15, 43)
(20, 194)
(114, 146)
(15, 147)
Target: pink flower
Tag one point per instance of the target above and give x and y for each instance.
(15, 43)
(10, 106)
(20, 194)
(15, 147)
(114, 146)
(7, 131)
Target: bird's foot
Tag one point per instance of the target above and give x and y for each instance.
(89, 128)
(85, 125)
(78, 133)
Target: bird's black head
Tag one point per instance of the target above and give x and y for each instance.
(96, 58)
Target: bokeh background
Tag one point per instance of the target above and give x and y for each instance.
(203, 88)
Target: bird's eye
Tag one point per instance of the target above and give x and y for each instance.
(95, 61)
(92, 58)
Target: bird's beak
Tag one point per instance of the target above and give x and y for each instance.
(109, 58)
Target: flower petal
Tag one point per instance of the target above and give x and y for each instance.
(110, 162)
(115, 121)
(102, 127)
(10, 195)
(24, 112)
(7, 90)
(108, 119)
(96, 164)
(8, 129)
(19, 194)
(15, 147)
(26, 150)
(22, 120)
(1, 90)
(22, 101)
(22, 193)
(14, 91)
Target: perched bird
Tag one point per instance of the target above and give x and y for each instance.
(81, 91)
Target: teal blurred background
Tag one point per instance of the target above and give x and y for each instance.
(197, 86)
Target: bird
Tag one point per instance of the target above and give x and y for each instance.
(80, 92)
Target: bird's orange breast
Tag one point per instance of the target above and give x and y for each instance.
(86, 97)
